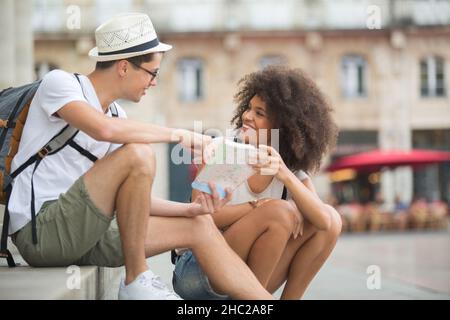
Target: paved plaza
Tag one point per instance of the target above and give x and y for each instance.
(411, 265)
(401, 265)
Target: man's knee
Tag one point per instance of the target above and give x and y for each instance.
(203, 227)
(140, 157)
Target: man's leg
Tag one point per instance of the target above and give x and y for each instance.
(122, 182)
(226, 271)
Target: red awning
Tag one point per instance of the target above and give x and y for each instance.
(377, 159)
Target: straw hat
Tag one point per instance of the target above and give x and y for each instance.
(124, 36)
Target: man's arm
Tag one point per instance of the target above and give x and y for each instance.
(167, 208)
(116, 130)
(228, 214)
(203, 204)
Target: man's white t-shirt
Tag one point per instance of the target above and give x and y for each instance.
(57, 172)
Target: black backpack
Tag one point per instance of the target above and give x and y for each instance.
(14, 106)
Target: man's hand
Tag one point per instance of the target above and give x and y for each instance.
(205, 203)
(193, 141)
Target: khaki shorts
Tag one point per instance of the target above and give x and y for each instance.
(71, 230)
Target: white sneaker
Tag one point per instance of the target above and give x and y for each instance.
(146, 286)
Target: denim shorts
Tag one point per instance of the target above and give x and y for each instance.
(190, 282)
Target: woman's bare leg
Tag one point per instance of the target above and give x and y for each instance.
(226, 271)
(304, 257)
(260, 237)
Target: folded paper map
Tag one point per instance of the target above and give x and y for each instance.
(227, 166)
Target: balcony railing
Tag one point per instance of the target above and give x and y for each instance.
(53, 16)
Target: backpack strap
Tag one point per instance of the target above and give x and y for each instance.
(58, 142)
(284, 195)
(114, 111)
(112, 107)
(4, 252)
(173, 256)
(63, 138)
(76, 146)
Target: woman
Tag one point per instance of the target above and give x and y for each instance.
(280, 240)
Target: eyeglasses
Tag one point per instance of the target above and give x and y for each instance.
(153, 74)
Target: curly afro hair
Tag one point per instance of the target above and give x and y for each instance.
(296, 107)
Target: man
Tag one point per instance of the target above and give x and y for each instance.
(76, 199)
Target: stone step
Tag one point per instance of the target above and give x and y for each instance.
(77, 283)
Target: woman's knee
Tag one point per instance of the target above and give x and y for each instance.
(140, 157)
(336, 224)
(279, 212)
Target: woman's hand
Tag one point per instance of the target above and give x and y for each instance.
(298, 217)
(267, 161)
(205, 203)
(298, 222)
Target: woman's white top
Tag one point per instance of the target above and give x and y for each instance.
(243, 194)
(274, 190)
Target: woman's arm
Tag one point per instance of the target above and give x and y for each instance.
(230, 214)
(307, 201)
(269, 161)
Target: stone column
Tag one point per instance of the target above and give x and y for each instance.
(386, 103)
(316, 56)
(403, 84)
(395, 126)
(7, 52)
(24, 48)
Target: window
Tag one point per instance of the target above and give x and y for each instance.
(353, 76)
(271, 60)
(432, 82)
(190, 79)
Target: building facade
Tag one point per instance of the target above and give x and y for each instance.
(384, 66)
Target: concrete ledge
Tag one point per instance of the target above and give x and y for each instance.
(108, 282)
(25, 282)
(46, 283)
